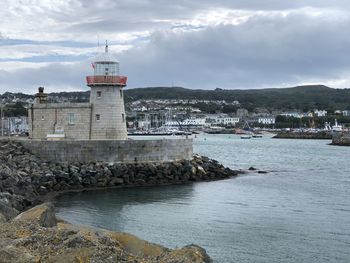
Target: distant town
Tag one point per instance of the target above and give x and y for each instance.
(161, 115)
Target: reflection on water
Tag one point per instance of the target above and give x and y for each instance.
(107, 208)
(298, 212)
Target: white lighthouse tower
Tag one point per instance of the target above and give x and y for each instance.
(106, 97)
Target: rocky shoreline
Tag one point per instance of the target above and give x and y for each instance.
(304, 135)
(341, 140)
(26, 180)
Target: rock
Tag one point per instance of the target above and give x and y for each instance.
(9, 182)
(2, 218)
(43, 214)
(262, 172)
(136, 246)
(7, 210)
(116, 181)
(140, 181)
(201, 170)
(251, 168)
(193, 170)
(187, 254)
(9, 254)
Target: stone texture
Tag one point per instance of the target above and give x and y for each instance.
(43, 214)
(166, 150)
(110, 108)
(341, 139)
(27, 241)
(45, 118)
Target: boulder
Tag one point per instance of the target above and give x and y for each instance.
(10, 253)
(136, 246)
(2, 218)
(187, 254)
(7, 210)
(116, 181)
(43, 214)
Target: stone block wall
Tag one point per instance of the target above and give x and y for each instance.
(115, 151)
(108, 104)
(342, 139)
(48, 118)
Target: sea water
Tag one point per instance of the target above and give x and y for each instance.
(298, 212)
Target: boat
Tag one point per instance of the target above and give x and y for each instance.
(247, 136)
(337, 127)
(257, 136)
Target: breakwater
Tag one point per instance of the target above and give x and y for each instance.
(26, 180)
(304, 135)
(341, 139)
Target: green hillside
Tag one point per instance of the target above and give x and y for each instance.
(301, 97)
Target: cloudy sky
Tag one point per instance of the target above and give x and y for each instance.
(230, 44)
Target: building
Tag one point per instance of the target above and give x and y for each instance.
(320, 113)
(187, 123)
(267, 120)
(103, 118)
(222, 119)
(14, 125)
(292, 114)
(346, 112)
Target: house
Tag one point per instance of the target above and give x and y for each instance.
(346, 112)
(267, 120)
(320, 113)
(292, 114)
(222, 119)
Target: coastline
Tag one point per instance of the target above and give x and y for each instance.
(303, 135)
(27, 182)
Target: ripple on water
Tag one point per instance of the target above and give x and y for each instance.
(298, 212)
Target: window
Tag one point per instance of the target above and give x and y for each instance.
(121, 93)
(42, 117)
(106, 71)
(98, 117)
(123, 117)
(71, 118)
(99, 94)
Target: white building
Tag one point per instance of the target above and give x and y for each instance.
(14, 125)
(193, 122)
(222, 120)
(227, 120)
(267, 120)
(346, 112)
(292, 114)
(320, 113)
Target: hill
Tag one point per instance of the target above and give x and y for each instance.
(300, 97)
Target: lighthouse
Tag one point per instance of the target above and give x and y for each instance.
(108, 119)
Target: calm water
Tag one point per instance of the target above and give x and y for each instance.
(298, 212)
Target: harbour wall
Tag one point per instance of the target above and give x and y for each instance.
(304, 135)
(115, 151)
(342, 139)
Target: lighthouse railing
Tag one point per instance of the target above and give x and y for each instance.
(111, 80)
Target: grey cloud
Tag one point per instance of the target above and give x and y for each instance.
(55, 77)
(263, 51)
(267, 50)
(125, 15)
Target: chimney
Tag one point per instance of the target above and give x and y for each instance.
(40, 97)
